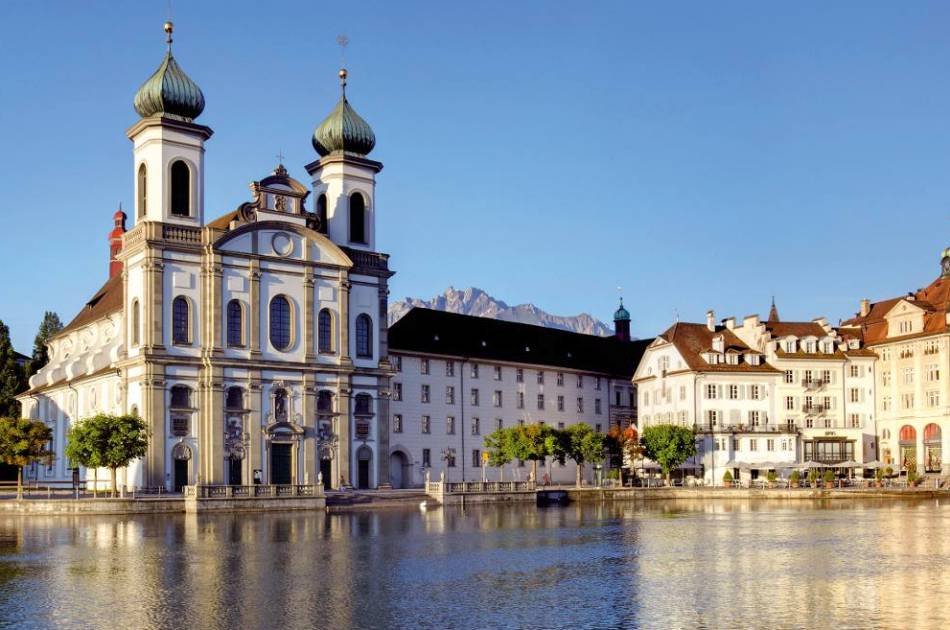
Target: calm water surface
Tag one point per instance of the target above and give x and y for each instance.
(681, 564)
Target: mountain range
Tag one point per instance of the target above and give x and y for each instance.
(475, 301)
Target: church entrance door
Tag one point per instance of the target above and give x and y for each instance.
(181, 474)
(280, 464)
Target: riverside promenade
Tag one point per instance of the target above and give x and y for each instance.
(436, 494)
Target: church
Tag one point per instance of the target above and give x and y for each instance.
(253, 344)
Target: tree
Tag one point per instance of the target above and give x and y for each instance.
(582, 444)
(668, 445)
(48, 327)
(12, 376)
(532, 442)
(107, 441)
(22, 442)
(498, 447)
(623, 445)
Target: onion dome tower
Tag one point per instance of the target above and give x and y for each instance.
(622, 323)
(344, 131)
(168, 146)
(344, 179)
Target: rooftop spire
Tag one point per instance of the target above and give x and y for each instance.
(773, 312)
(169, 28)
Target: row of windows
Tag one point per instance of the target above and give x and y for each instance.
(497, 373)
(425, 396)
(280, 326)
(908, 400)
(908, 375)
(753, 444)
(425, 425)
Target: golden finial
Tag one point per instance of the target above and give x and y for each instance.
(169, 27)
(343, 74)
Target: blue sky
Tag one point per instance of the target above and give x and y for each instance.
(699, 154)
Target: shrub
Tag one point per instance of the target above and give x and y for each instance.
(727, 477)
(829, 476)
(795, 477)
(813, 475)
(879, 474)
(888, 472)
(771, 477)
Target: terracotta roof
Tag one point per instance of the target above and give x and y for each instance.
(427, 331)
(797, 329)
(224, 221)
(107, 300)
(934, 300)
(692, 340)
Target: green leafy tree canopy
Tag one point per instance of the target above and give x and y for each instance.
(669, 445)
(22, 442)
(12, 376)
(107, 441)
(582, 444)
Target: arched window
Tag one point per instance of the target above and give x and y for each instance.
(908, 433)
(181, 397)
(181, 324)
(357, 218)
(136, 322)
(143, 190)
(322, 213)
(235, 323)
(280, 323)
(325, 331)
(364, 337)
(235, 399)
(932, 434)
(324, 401)
(181, 189)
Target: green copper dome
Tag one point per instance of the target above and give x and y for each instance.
(344, 131)
(621, 314)
(169, 90)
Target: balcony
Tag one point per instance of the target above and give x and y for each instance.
(814, 410)
(729, 427)
(814, 384)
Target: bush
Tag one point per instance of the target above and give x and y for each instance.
(795, 477)
(613, 473)
(888, 472)
(879, 474)
(829, 476)
(813, 475)
(771, 477)
(727, 477)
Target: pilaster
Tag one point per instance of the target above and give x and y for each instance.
(308, 318)
(153, 304)
(344, 308)
(308, 413)
(344, 421)
(254, 316)
(255, 423)
(153, 412)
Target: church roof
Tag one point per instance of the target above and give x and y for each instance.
(427, 331)
(107, 300)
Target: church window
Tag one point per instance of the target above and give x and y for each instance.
(143, 191)
(364, 337)
(322, 213)
(363, 405)
(325, 331)
(235, 323)
(324, 401)
(280, 323)
(235, 399)
(181, 397)
(357, 218)
(135, 322)
(181, 189)
(181, 320)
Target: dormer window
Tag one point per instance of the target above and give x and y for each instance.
(809, 346)
(718, 343)
(789, 345)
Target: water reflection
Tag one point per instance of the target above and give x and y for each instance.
(663, 564)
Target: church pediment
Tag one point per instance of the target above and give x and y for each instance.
(278, 239)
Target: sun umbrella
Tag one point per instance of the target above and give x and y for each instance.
(812, 464)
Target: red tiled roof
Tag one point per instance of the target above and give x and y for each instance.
(797, 329)
(107, 300)
(692, 340)
(934, 300)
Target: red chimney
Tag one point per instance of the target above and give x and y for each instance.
(115, 242)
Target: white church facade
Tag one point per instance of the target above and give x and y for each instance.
(254, 345)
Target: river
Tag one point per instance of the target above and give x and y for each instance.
(718, 564)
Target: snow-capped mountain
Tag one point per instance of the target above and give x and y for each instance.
(474, 301)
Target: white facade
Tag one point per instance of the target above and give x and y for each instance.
(444, 406)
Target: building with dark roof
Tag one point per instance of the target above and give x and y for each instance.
(459, 377)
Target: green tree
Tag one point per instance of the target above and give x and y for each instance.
(532, 443)
(12, 376)
(48, 327)
(22, 442)
(668, 445)
(107, 441)
(499, 449)
(582, 444)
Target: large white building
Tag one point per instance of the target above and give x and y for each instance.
(253, 345)
(760, 395)
(910, 334)
(459, 378)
